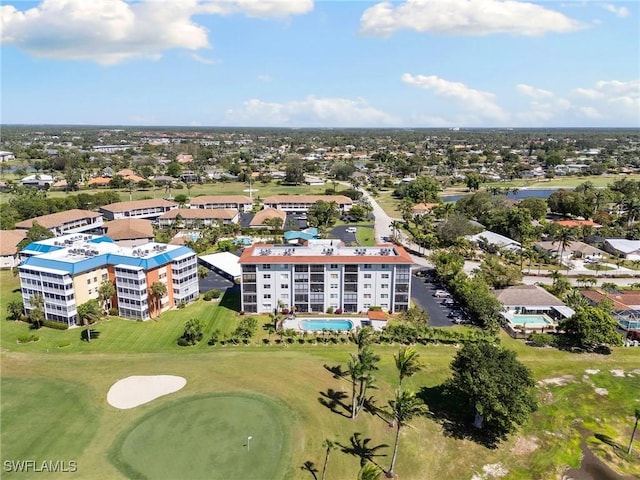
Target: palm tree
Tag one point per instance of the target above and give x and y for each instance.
(563, 237)
(370, 471)
(158, 290)
(575, 299)
(106, 291)
(203, 272)
(407, 363)
(36, 312)
(402, 409)
(635, 427)
(329, 445)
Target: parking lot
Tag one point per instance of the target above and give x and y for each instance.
(423, 294)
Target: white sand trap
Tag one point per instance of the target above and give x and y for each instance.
(617, 373)
(138, 390)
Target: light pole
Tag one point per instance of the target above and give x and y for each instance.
(249, 443)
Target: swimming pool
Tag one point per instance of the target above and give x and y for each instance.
(329, 324)
(530, 320)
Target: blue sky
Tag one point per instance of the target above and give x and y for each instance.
(306, 63)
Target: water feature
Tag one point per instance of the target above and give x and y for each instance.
(519, 195)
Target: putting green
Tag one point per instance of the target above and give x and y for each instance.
(45, 420)
(206, 438)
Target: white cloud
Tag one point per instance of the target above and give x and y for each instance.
(613, 99)
(543, 113)
(617, 11)
(265, 77)
(590, 112)
(310, 112)
(111, 31)
(465, 17)
(207, 61)
(482, 104)
(533, 92)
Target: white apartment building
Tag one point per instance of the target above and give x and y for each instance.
(302, 203)
(325, 274)
(68, 221)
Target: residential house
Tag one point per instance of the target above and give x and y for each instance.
(129, 232)
(492, 240)
(575, 249)
(628, 249)
(325, 274)
(69, 221)
(38, 180)
(9, 253)
(626, 306)
(263, 218)
(423, 208)
(150, 209)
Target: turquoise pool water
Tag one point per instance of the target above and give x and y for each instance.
(318, 325)
(530, 320)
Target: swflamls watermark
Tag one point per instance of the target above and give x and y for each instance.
(44, 466)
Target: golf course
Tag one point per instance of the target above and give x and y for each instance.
(264, 410)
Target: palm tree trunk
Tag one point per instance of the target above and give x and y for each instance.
(326, 461)
(390, 473)
(354, 401)
(633, 434)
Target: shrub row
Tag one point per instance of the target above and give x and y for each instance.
(55, 325)
(28, 338)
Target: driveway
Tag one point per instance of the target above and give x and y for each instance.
(422, 296)
(341, 233)
(214, 281)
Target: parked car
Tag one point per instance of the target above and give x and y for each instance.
(351, 230)
(441, 294)
(449, 301)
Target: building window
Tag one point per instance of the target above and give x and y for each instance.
(385, 275)
(284, 286)
(267, 295)
(367, 266)
(267, 276)
(367, 295)
(384, 295)
(384, 285)
(267, 286)
(334, 285)
(333, 265)
(333, 295)
(334, 276)
(266, 266)
(367, 285)
(367, 275)
(284, 276)
(284, 295)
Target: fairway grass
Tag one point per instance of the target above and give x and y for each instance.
(206, 437)
(44, 420)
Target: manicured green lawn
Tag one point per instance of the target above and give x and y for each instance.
(45, 419)
(207, 437)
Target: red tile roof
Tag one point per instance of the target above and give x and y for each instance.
(577, 223)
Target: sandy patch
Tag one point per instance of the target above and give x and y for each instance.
(592, 371)
(525, 445)
(494, 470)
(137, 390)
(617, 373)
(601, 391)
(558, 381)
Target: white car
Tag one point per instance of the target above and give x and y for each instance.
(441, 294)
(351, 230)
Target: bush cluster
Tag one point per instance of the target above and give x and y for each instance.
(212, 295)
(28, 338)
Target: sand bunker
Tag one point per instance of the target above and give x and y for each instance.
(138, 390)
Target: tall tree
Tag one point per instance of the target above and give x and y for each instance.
(495, 388)
(36, 233)
(563, 237)
(329, 445)
(36, 312)
(158, 290)
(635, 427)
(402, 409)
(323, 214)
(106, 291)
(591, 326)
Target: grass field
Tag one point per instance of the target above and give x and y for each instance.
(54, 405)
(208, 436)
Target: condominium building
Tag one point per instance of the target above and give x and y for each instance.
(242, 203)
(150, 208)
(302, 203)
(69, 221)
(197, 218)
(67, 272)
(325, 274)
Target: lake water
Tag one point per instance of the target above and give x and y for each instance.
(519, 195)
